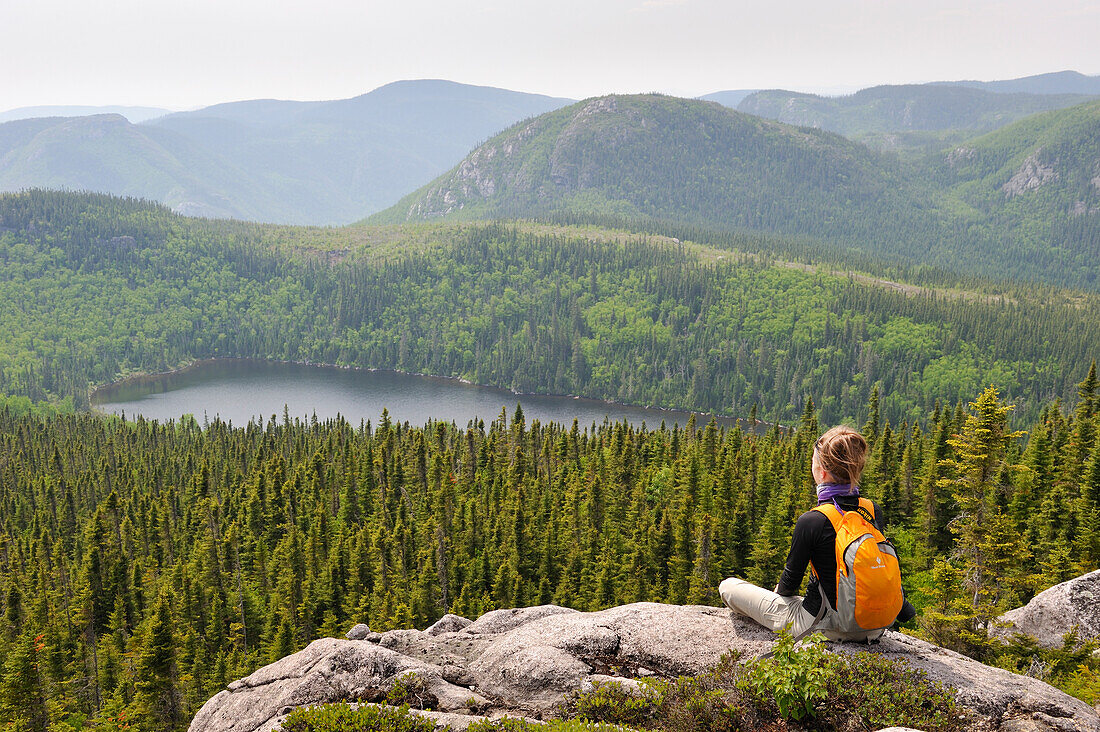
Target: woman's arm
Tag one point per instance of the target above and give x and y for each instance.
(806, 533)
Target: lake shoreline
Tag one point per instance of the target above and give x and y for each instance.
(101, 394)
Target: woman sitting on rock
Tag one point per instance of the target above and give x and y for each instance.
(866, 607)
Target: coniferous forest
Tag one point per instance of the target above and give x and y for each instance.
(146, 565)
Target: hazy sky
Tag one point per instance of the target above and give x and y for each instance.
(189, 53)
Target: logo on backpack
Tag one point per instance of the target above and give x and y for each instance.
(868, 575)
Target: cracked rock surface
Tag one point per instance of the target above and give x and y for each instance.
(524, 662)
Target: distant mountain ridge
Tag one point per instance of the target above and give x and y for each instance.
(917, 118)
(1056, 82)
(107, 153)
(331, 162)
(1041, 173)
(730, 98)
(286, 162)
(904, 109)
(133, 114)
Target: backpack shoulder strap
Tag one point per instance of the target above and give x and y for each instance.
(830, 512)
(867, 510)
(836, 518)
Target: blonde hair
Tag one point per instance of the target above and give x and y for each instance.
(843, 452)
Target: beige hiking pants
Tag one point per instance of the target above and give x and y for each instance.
(776, 612)
(771, 610)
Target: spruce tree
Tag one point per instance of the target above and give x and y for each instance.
(874, 414)
(1088, 542)
(989, 550)
(936, 508)
(22, 686)
(157, 703)
(702, 587)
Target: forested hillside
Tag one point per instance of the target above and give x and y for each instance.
(146, 565)
(1038, 180)
(100, 287)
(678, 160)
(1018, 204)
(1034, 215)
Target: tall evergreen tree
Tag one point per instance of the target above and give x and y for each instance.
(987, 546)
(157, 704)
(22, 686)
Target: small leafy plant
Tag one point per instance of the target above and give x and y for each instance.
(796, 678)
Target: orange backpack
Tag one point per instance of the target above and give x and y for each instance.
(868, 575)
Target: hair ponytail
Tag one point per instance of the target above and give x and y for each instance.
(843, 452)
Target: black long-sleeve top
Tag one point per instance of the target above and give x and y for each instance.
(814, 540)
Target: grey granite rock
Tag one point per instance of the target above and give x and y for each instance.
(594, 681)
(525, 662)
(359, 632)
(327, 670)
(1056, 611)
(449, 623)
(401, 639)
(499, 621)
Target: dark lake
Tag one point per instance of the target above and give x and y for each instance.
(240, 391)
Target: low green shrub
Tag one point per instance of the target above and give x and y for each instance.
(411, 690)
(801, 687)
(702, 704)
(344, 718)
(1083, 683)
(504, 724)
(1074, 668)
(611, 702)
(512, 724)
(869, 691)
(372, 718)
(580, 725)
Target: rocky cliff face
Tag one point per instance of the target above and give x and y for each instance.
(525, 661)
(1034, 172)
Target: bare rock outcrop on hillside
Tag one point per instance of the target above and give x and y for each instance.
(1032, 174)
(524, 662)
(1072, 605)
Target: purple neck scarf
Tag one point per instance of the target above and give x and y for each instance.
(830, 491)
